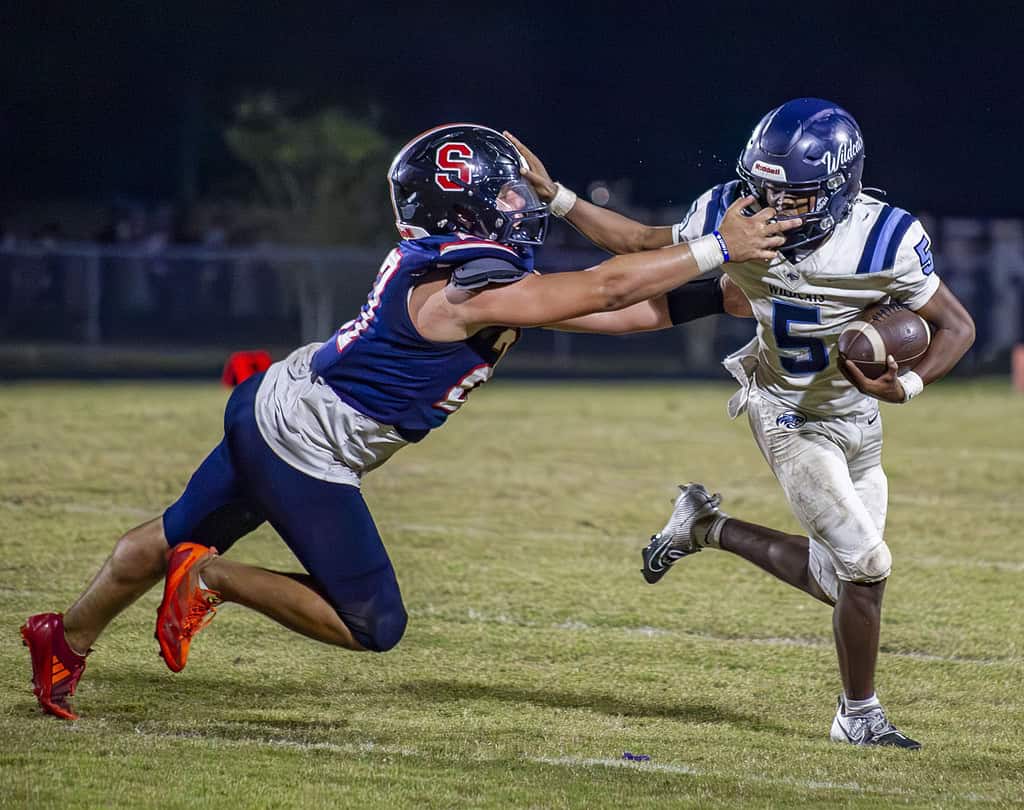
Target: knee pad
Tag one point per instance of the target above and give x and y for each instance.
(873, 566)
(383, 630)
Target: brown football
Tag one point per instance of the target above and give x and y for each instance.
(881, 330)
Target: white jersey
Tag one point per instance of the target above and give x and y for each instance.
(878, 252)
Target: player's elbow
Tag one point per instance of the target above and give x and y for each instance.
(967, 331)
(961, 329)
(642, 237)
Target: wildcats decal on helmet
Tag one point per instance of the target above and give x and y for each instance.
(844, 154)
(769, 171)
(453, 160)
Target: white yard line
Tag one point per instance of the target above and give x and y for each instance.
(681, 769)
(687, 770)
(106, 509)
(658, 767)
(83, 508)
(948, 564)
(281, 742)
(575, 625)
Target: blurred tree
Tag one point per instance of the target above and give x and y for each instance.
(324, 171)
(324, 175)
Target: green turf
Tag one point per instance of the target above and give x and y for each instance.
(535, 654)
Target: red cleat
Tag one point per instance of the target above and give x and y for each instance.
(56, 668)
(187, 607)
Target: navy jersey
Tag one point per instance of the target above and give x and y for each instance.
(380, 364)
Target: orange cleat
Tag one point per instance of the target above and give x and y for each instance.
(187, 607)
(56, 668)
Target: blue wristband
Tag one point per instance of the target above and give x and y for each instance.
(722, 245)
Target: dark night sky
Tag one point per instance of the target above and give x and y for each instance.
(662, 93)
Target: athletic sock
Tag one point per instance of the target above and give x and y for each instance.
(714, 535)
(861, 706)
(202, 583)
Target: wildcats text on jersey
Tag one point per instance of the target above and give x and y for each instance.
(813, 298)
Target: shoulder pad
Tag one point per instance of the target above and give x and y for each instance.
(464, 250)
(488, 270)
(884, 240)
(722, 197)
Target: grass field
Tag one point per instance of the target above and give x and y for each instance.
(535, 655)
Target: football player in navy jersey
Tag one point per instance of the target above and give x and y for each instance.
(447, 304)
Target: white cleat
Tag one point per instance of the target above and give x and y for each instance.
(685, 533)
(868, 728)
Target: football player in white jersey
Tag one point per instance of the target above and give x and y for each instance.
(817, 424)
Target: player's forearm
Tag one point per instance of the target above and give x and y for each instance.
(646, 316)
(630, 278)
(613, 231)
(698, 298)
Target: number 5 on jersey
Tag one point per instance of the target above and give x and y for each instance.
(813, 355)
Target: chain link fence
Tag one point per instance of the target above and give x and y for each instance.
(88, 309)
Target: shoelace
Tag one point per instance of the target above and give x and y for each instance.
(873, 722)
(200, 613)
(714, 501)
(674, 548)
(879, 724)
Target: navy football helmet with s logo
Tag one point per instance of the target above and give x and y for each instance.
(809, 151)
(465, 178)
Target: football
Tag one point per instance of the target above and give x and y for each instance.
(881, 330)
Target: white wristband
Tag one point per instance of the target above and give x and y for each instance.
(912, 385)
(563, 201)
(707, 252)
(677, 233)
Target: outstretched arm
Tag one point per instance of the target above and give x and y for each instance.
(647, 316)
(602, 226)
(695, 299)
(622, 281)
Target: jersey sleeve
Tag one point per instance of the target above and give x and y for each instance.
(914, 280)
(706, 212)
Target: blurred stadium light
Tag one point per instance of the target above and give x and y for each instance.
(84, 308)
